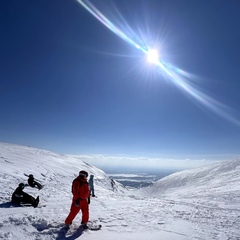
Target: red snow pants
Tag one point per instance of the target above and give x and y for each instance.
(74, 210)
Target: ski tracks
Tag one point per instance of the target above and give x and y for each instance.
(166, 215)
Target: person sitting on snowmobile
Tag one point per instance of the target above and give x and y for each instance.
(33, 183)
(20, 197)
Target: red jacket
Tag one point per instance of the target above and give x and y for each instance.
(80, 189)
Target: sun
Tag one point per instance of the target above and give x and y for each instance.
(152, 56)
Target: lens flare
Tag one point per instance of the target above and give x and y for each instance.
(183, 80)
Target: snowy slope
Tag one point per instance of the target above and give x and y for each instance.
(196, 204)
(219, 178)
(50, 167)
(211, 192)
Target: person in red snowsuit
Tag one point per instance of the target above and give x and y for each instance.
(80, 200)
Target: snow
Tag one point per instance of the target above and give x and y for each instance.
(201, 204)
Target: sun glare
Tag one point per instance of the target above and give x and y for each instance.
(152, 56)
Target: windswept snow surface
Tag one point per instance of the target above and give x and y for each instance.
(196, 204)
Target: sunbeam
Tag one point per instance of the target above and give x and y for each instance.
(179, 77)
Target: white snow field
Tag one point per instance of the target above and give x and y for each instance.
(201, 204)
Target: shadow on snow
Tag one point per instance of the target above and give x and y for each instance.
(11, 204)
(62, 234)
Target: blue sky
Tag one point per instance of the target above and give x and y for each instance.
(71, 85)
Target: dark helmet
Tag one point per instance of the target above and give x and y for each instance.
(21, 185)
(30, 176)
(83, 174)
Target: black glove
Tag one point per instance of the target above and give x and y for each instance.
(88, 200)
